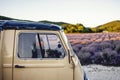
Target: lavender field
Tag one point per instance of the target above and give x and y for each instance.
(97, 48)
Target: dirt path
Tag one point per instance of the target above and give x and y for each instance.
(98, 72)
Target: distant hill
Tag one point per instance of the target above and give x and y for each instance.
(113, 26)
(57, 23)
(6, 18)
(9, 18)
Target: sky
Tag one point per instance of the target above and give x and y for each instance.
(90, 13)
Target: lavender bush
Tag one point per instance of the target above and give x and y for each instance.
(97, 48)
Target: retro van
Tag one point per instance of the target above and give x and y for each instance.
(36, 51)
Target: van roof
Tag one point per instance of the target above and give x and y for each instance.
(27, 25)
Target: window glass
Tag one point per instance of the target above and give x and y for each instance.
(35, 45)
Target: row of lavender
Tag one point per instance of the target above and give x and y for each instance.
(97, 48)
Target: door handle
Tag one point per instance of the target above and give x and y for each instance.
(19, 66)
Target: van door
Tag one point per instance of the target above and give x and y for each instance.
(78, 73)
(40, 56)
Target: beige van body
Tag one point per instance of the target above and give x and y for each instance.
(17, 53)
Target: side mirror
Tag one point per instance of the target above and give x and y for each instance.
(69, 56)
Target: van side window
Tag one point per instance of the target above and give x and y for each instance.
(36, 45)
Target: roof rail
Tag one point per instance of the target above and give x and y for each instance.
(18, 25)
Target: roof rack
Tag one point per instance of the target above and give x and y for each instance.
(27, 25)
(2, 22)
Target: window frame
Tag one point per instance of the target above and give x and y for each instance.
(43, 33)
